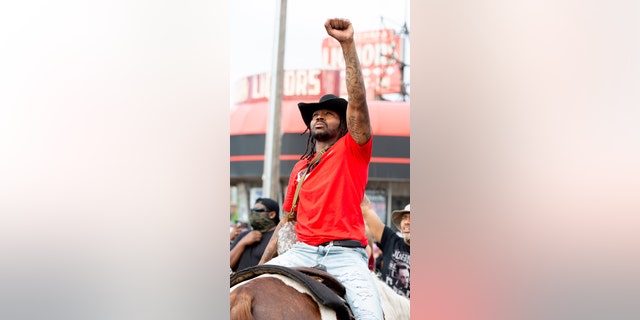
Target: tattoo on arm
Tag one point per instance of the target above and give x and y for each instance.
(358, 122)
(271, 250)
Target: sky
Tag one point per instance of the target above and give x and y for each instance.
(253, 29)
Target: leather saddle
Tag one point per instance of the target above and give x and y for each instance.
(325, 287)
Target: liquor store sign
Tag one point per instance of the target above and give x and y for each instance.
(380, 55)
(297, 85)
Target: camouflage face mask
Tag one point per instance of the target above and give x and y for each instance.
(261, 222)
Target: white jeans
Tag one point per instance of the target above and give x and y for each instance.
(348, 265)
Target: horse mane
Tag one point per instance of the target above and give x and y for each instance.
(240, 305)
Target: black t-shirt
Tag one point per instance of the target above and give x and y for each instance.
(395, 262)
(252, 253)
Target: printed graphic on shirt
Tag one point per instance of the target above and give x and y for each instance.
(300, 174)
(303, 173)
(399, 273)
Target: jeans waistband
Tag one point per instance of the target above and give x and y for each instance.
(344, 243)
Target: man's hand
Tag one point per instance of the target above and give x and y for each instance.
(251, 238)
(358, 122)
(339, 29)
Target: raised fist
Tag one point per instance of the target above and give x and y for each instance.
(339, 29)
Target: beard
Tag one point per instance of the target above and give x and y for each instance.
(321, 136)
(407, 237)
(325, 134)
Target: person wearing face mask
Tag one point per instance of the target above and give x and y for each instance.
(395, 248)
(248, 247)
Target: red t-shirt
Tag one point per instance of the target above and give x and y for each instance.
(329, 200)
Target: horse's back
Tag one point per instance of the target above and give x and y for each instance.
(395, 306)
(271, 297)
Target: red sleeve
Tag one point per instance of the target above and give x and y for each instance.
(361, 152)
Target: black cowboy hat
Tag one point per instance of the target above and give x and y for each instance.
(328, 101)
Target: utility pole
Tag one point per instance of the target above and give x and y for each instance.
(271, 171)
(403, 65)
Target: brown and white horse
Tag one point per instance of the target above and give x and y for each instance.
(276, 296)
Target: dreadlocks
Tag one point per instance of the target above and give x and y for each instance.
(311, 142)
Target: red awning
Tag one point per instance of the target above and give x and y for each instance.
(387, 118)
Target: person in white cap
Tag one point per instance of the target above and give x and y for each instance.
(395, 249)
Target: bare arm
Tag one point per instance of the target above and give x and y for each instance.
(376, 227)
(358, 121)
(271, 251)
(237, 251)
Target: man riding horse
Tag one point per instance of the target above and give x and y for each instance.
(334, 169)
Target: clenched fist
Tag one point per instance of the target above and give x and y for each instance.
(339, 29)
